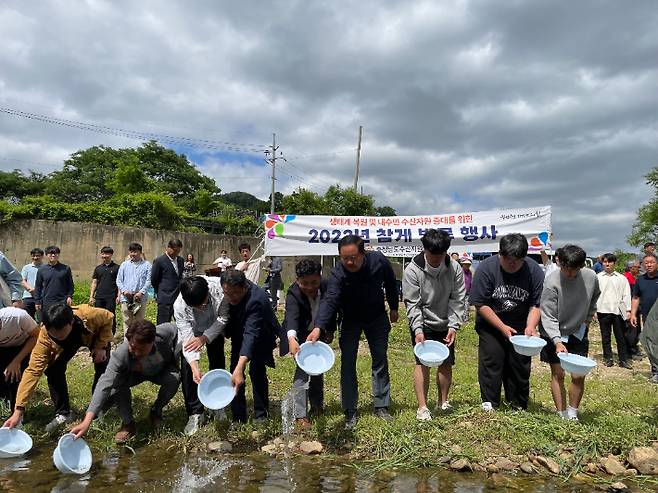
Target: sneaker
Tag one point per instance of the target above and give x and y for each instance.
(609, 363)
(382, 412)
(261, 420)
(625, 364)
(125, 433)
(195, 422)
(446, 407)
(217, 414)
(637, 357)
(487, 406)
(423, 414)
(59, 420)
(350, 420)
(654, 378)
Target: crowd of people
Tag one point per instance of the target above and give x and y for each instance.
(41, 331)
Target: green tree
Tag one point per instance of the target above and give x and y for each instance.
(129, 177)
(645, 227)
(303, 202)
(347, 202)
(86, 175)
(385, 211)
(14, 184)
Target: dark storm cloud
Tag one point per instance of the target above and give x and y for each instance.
(467, 105)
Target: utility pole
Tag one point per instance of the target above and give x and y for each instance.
(273, 161)
(358, 158)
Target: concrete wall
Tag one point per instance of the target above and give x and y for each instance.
(81, 242)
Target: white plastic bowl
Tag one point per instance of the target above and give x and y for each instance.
(315, 358)
(14, 442)
(72, 456)
(431, 353)
(527, 345)
(215, 390)
(575, 364)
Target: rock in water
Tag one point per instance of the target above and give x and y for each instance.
(221, 446)
(612, 466)
(504, 464)
(644, 459)
(310, 448)
(618, 487)
(549, 464)
(270, 449)
(460, 465)
(527, 468)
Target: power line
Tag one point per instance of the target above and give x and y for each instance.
(138, 135)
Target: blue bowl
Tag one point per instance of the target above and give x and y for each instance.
(72, 456)
(527, 345)
(315, 358)
(13, 443)
(215, 390)
(575, 364)
(431, 353)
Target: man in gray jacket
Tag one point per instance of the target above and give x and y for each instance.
(434, 294)
(568, 303)
(148, 354)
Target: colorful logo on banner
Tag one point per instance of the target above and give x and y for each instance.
(274, 224)
(541, 240)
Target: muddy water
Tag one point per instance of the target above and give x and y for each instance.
(155, 469)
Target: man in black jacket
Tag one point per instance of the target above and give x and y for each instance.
(302, 305)
(166, 274)
(355, 286)
(252, 327)
(54, 283)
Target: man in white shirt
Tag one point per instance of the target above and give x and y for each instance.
(613, 308)
(18, 335)
(249, 266)
(223, 261)
(201, 318)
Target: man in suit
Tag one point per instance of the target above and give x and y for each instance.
(166, 274)
(252, 327)
(302, 305)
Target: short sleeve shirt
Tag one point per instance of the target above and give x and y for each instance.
(510, 296)
(106, 279)
(15, 327)
(646, 289)
(29, 274)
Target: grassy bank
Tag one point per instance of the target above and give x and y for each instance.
(619, 411)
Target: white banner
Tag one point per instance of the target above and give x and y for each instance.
(399, 236)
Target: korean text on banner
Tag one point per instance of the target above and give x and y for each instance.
(399, 236)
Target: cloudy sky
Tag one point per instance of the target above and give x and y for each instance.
(466, 105)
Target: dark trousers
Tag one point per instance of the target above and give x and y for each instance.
(632, 335)
(216, 360)
(165, 313)
(275, 285)
(259, 387)
(110, 304)
(8, 389)
(376, 332)
(499, 364)
(56, 374)
(30, 307)
(612, 323)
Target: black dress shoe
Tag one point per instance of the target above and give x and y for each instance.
(609, 363)
(625, 364)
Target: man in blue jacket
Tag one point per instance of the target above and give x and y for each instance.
(252, 327)
(355, 286)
